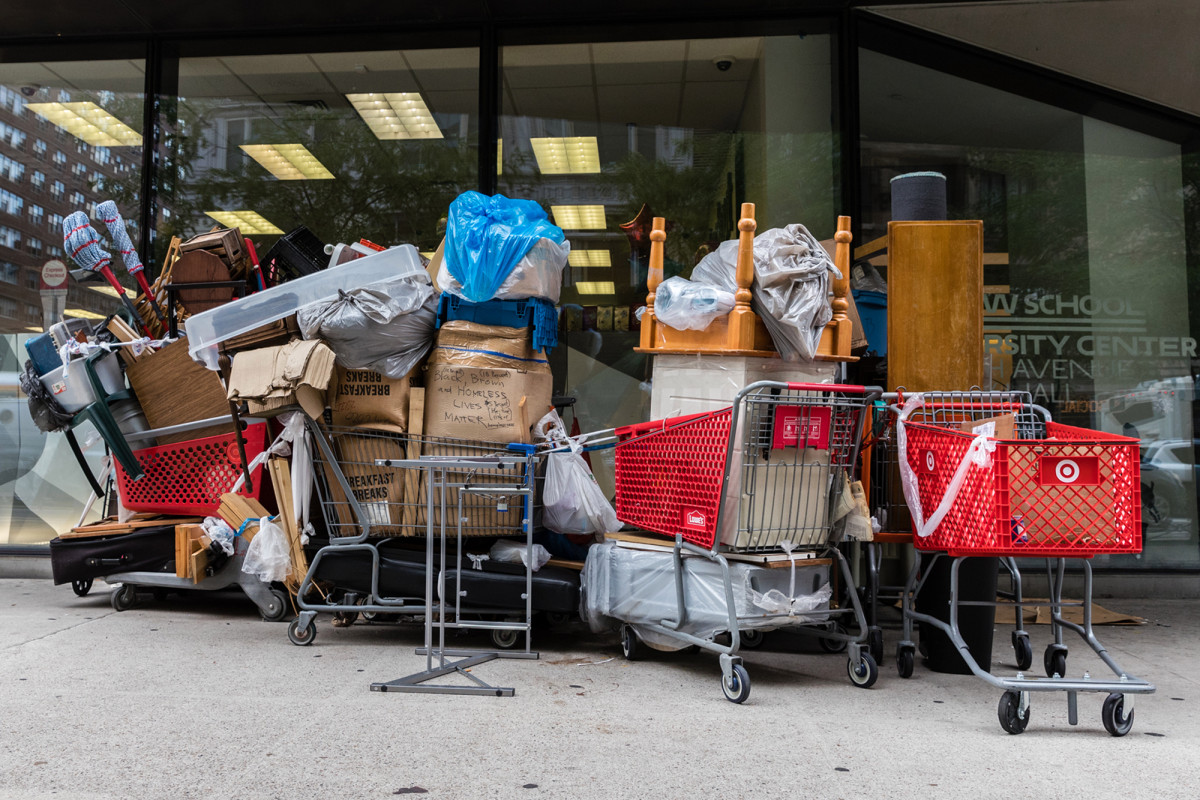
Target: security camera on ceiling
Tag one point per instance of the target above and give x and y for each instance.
(723, 63)
(30, 91)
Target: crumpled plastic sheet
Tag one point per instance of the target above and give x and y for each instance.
(624, 585)
(790, 290)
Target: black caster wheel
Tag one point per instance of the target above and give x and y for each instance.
(506, 640)
(81, 588)
(344, 619)
(737, 686)
(1055, 661)
(904, 661)
(751, 639)
(875, 644)
(631, 646)
(1023, 650)
(864, 672)
(1009, 712)
(124, 598)
(1113, 715)
(301, 638)
(834, 645)
(277, 609)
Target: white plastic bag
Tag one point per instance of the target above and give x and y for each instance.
(571, 501)
(512, 552)
(687, 306)
(268, 555)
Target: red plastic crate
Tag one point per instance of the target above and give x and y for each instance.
(1075, 494)
(188, 478)
(670, 474)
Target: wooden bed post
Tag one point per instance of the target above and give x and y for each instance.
(742, 318)
(654, 276)
(842, 324)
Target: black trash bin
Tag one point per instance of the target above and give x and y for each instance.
(977, 579)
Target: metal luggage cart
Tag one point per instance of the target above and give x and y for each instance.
(364, 498)
(761, 476)
(1053, 491)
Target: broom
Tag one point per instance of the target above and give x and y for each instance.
(108, 213)
(83, 244)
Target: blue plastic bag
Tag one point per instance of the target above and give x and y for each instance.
(487, 236)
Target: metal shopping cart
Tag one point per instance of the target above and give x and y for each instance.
(762, 476)
(369, 506)
(1047, 490)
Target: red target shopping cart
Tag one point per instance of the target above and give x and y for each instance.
(765, 475)
(990, 474)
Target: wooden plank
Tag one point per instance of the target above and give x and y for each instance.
(871, 247)
(935, 305)
(158, 378)
(566, 564)
(281, 479)
(412, 477)
(112, 528)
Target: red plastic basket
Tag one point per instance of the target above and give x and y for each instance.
(1075, 494)
(190, 477)
(670, 474)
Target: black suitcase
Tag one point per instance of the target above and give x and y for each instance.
(146, 550)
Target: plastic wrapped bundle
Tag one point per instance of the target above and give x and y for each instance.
(387, 326)
(622, 584)
(501, 248)
(791, 286)
(689, 306)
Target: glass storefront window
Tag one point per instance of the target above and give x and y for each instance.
(359, 145)
(607, 135)
(1086, 280)
(70, 137)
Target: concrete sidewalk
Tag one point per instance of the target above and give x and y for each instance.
(196, 697)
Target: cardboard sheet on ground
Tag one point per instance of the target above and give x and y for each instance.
(1036, 611)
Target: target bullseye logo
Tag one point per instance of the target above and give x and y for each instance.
(1066, 471)
(1073, 471)
(929, 462)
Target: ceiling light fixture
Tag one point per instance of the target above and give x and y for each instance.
(396, 115)
(590, 258)
(288, 162)
(89, 122)
(247, 221)
(596, 287)
(83, 313)
(579, 218)
(564, 155)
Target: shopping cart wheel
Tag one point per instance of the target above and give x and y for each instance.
(1055, 660)
(344, 619)
(1113, 714)
(1009, 712)
(875, 643)
(124, 598)
(631, 646)
(81, 588)
(277, 609)
(864, 672)
(1023, 650)
(904, 661)
(751, 639)
(737, 686)
(506, 640)
(298, 637)
(834, 645)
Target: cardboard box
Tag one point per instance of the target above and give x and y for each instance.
(485, 382)
(484, 402)
(368, 399)
(1002, 426)
(379, 491)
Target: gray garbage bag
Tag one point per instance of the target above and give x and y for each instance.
(791, 286)
(690, 306)
(386, 326)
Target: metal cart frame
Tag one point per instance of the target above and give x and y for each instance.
(1013, 710)
(842, 408)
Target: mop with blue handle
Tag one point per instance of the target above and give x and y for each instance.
(82, 243)
(107, 213)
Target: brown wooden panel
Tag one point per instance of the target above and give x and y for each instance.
(935, 305)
